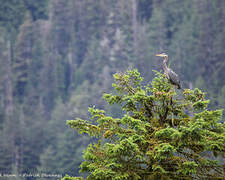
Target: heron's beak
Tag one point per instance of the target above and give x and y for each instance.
(160, 55)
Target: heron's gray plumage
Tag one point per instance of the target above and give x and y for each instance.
(171, 76)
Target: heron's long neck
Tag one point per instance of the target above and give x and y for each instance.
(164, 64)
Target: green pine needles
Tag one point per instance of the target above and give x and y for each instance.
(162, 134)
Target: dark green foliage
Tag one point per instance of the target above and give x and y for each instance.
(38, 9)
(55, 158)
(11, 15)
(145, 8)
(162, 135)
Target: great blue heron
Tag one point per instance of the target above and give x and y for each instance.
(171, 76)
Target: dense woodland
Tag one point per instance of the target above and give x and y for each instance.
(57, 58)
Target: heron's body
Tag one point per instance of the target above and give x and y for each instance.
(173, 78)
(170, 74)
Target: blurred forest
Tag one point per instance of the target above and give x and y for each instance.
(57, 58)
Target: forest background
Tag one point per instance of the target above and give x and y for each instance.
(57, 58)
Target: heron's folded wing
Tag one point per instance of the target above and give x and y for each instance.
(173, 77)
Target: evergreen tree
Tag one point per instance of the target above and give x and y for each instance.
(61, 142)
(163, 134)
(38, 9)
(23, 56)
(11, 16)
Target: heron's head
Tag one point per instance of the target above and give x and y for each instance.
(162, 55)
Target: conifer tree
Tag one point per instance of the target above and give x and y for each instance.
(161, 135)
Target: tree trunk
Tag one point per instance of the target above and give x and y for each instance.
(134, 25)
(8, 91)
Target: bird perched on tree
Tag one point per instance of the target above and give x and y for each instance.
(171, 76)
